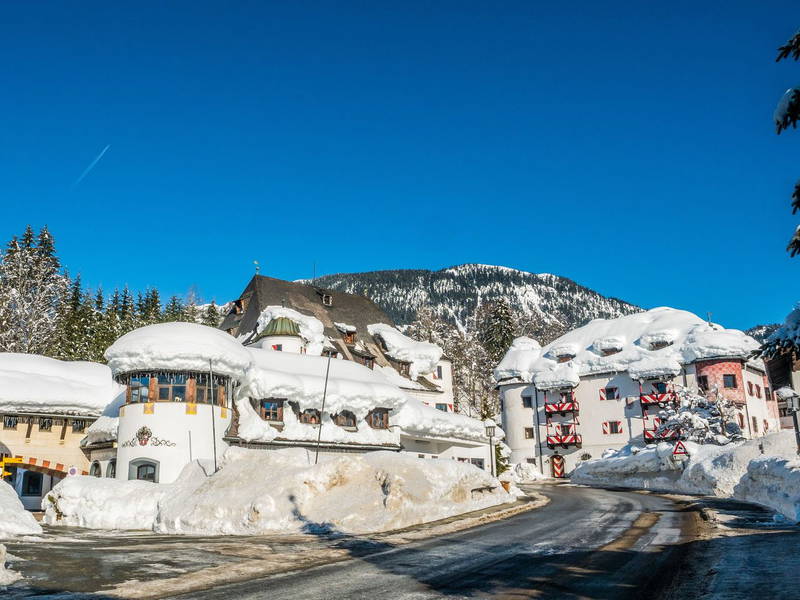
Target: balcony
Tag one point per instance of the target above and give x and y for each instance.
(651, 435)
(658, 398)
(572, 439)
(561, 407)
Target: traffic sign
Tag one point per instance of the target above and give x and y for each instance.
(680, 449)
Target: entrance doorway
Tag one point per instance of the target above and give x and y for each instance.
(557, 466)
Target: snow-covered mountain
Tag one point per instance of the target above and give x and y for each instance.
(762, 332)
(553, 304)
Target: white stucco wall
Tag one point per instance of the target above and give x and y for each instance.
(177, 437)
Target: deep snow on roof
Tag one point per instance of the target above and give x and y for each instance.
(647, 344)
(178, 347)
(33, 383)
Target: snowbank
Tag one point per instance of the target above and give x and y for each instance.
(561, 376)
(14, 519)
(656, 342)
(102, 430)
(7, 576)
(279, 491)
(178, 347)
(423, 356)
(736, 470)
(29, 382)
(523, 473)
(311, 328)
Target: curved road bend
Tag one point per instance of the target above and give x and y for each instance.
(586, 543)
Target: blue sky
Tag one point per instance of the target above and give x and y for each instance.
(625, 145)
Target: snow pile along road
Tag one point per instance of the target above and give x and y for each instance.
(14, 519)
(737, 470)
(280, 491)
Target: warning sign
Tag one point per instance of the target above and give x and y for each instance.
(680, 450)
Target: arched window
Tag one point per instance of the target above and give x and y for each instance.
(146, 472)
(143, 470)
(378, 418)
(32, 484)
(111, 469)
(94, 470)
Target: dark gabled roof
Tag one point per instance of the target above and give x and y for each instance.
(350, 309)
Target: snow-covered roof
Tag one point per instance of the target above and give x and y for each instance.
(786, 337)
(311, 328)
(301, 378)
(423, 356)
(415, 418)
(178, 347)
(33, 383)
(345, 328)
(647, 344)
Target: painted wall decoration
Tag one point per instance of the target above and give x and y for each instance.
(144, 436)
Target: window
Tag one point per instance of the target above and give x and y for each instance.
(530, 461)
(729, 381)
(271, 409)
(755, 425)
(565, 358)
(766, 425)
(611, 427)
(78, 425)
(111, 469)
(45, 424)
(529, 433)
(750, 388)
(478, 462)
(203, 392)
(565, 429)
(659, 345)
(327, 299)
(367, 361)
(767, 393)
(138, 389)
(758, 391)
(439, 374)
(611, 393)
(378, 418)
(277, 347)
(527, 402)
(331, 353)
(10, 421)
(567, 396)
(441, 407)
(146, 472)
(702, 382)
(349, 337)
(172, 387)
(32, 484)
(586, 456)
(660, 387)
(345, 419)
(94, 470)
(310, 417)
(741, 420)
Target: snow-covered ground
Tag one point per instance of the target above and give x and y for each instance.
(738, 469)
(14, 519)
(280, 491)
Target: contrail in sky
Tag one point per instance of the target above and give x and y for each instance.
(91, 165)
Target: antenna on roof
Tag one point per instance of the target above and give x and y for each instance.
(258, 267)
(283, 303)
(708, 314)
(314, 272)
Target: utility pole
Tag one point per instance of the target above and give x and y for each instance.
(213, 420)
(322, 410)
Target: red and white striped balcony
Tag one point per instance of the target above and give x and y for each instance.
(561, 407)
(563, 434)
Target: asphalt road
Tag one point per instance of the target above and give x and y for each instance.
(586, 543)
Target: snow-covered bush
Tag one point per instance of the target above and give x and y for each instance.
(700, 419)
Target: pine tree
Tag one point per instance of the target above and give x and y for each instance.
(174, 310)
(787, 114)
(496, 328)
(31, 290)
(211, 315)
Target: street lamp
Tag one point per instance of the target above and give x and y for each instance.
(490, 427)
(793, 404)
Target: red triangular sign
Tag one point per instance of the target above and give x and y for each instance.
(679, 450)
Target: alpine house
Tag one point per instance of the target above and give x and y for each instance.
(604, 384)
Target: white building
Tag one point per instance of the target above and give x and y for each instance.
(192, 391)
(602, 385)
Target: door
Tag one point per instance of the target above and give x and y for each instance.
(557, 466)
